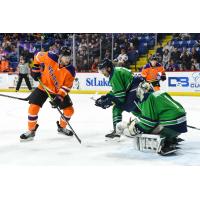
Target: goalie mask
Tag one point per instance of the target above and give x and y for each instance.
(142, 89)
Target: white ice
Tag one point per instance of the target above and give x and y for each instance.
(91, 124)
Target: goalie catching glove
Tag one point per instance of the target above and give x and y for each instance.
(128, 129)
(104, 101)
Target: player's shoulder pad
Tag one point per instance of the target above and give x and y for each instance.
(148, 65)
(71, 70)
(53, 56)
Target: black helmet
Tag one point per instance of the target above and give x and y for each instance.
(105, 64)
(65, 51)
(154, 57)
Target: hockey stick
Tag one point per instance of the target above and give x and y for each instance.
(193, 127)
(93, 98)
(62, 115)
(22, 99)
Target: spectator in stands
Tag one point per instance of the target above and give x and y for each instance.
(82, 46)
(166, 58)
(85, 66)
(107, 54)
(2, 53)
(195, 55)
(195, 65)
(95, 65)
(135, 42)
(172, 66)
(132, 55)
(175, 56)
(4, 65)
(159, 52)
(185, 36)
(116, 50)
(185, 60)
(122, 59)
(23, 71)
(169, 47)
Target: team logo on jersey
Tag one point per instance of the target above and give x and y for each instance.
(53, 77)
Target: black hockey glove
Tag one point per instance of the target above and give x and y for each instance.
(36, 72)
(56, 102)
(104, 102)
(163, 77)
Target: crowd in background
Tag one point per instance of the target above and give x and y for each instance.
(182, 58)
(92, 48)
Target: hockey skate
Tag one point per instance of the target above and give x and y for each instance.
(178, 140)
(29, 135)
(64, 131)
(113, 136)
(166, 148)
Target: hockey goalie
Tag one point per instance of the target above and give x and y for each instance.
(160, 121)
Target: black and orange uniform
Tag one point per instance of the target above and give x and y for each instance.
(153, 75)
(58, 80)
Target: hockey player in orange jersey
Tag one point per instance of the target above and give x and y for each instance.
(153, 72)
(57, 74)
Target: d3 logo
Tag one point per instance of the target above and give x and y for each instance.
(178, 81)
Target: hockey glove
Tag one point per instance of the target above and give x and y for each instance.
(56, 102)
(161, 76)
(133, 128)
(104, 102)
(36, 72)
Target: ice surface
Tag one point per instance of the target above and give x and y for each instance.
(91, 124)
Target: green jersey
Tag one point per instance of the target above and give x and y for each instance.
(160, 108)
(120, 80)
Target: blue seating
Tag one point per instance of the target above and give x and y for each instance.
(191, 43)
(183, 43)
(143, 48)
(176, 44)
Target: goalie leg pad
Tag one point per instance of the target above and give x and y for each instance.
(144, 142)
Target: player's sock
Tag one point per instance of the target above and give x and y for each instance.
(33, 116)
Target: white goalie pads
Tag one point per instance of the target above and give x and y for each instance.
(142, 142)
(127, 128)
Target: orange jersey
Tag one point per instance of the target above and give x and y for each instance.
(57, 80)
(151, 73)
(4, 66)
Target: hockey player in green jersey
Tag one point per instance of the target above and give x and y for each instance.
(160, 114)
(124, 85)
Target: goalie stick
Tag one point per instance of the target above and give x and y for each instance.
(193, 127)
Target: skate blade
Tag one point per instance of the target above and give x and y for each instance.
(168, 153)
(64, 134)
(26, 140)
(116, 139)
